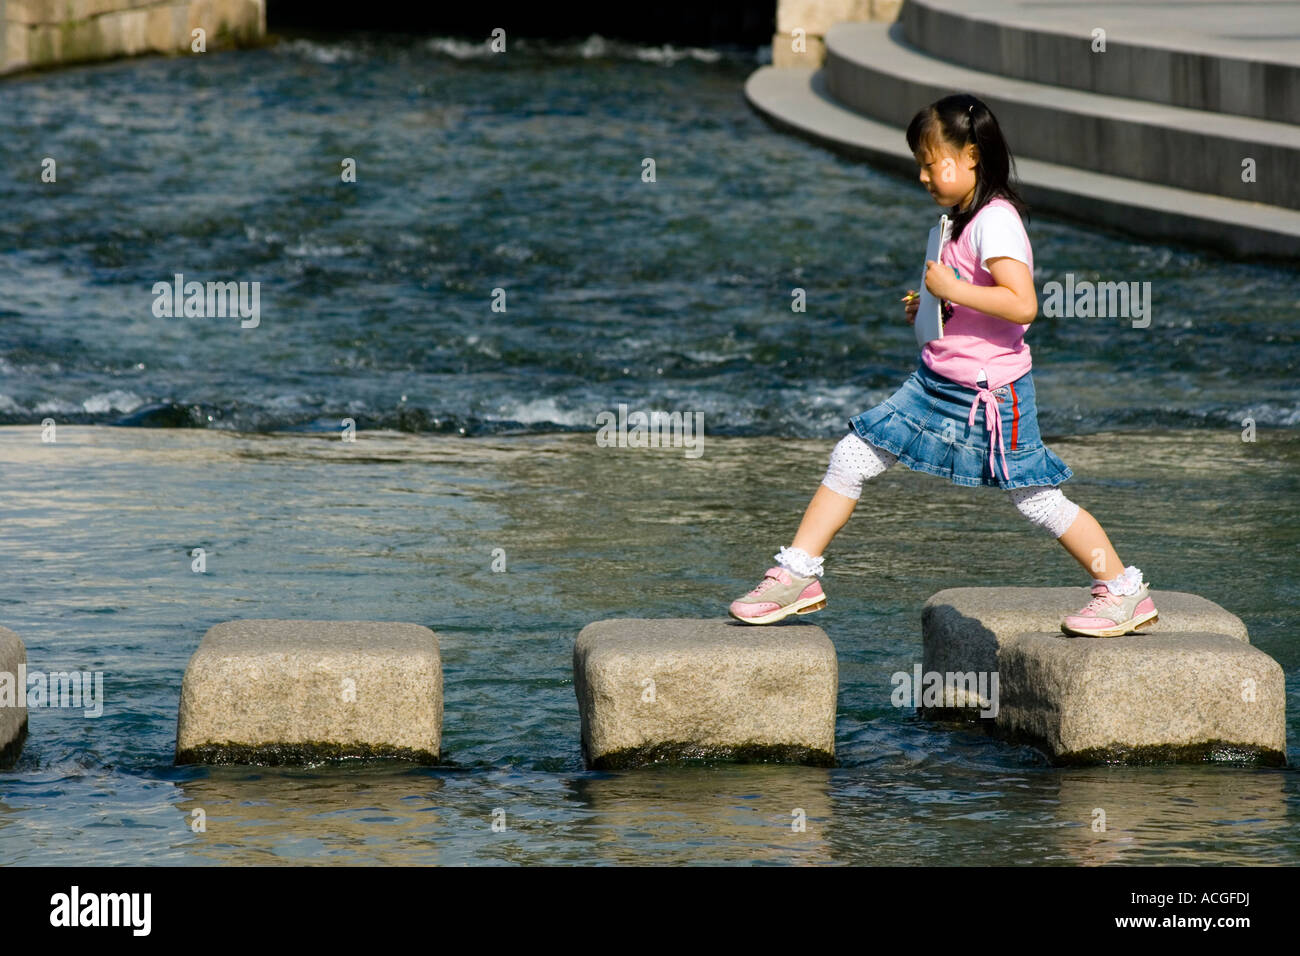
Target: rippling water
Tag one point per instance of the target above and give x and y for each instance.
(524, 174)
(99, 527)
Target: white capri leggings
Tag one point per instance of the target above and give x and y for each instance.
(854, 461)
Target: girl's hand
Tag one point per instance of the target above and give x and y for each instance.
(940, 279)
(911, 302)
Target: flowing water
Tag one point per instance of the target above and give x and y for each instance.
(475, 432)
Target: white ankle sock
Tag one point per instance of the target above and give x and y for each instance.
(799, 562)
(1130, 582)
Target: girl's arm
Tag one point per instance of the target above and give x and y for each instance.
(1013, 298)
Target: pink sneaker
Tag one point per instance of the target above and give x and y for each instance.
(1110, 615)
(777, 596)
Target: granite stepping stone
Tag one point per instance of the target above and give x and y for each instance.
(286, 692)
(1190, 687)
(673, 689)
(13, 697)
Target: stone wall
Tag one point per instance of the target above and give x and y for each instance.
(814, 18)
(41, 33)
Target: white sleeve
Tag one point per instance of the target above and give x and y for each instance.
(999, 232)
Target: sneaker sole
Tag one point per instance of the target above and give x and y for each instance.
(805, 606)
(1119, 630)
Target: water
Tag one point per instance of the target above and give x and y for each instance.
(475, 433)
(477, 173)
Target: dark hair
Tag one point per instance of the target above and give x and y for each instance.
(961, 120)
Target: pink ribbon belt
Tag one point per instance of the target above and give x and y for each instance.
(993, 423)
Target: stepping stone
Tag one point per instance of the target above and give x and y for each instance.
(1189, 688)
(13, 696)
(652, 690)
(964, 627)
(284, 692)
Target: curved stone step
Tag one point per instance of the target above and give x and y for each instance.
(871, 69)
(797, 101)
(1174, 53)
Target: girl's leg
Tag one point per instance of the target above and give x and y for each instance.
(827, 513)
(792, 586)
(853, 461)
(1078, 531)
(1121, 602)
(1088, 544)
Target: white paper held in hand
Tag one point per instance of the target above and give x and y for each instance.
(929, 317)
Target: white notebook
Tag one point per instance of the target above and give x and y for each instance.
(929, 317)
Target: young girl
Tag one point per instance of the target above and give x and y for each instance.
(981, 363)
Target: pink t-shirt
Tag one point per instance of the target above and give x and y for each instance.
(974, 340)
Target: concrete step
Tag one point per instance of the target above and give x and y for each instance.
(798, 101)
(1243, 60)
(872, 69)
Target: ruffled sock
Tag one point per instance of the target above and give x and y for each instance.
(1130, 582)
(799, 562)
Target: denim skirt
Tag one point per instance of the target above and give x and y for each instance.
(926, 424)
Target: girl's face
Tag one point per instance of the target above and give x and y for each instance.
(948, 174)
